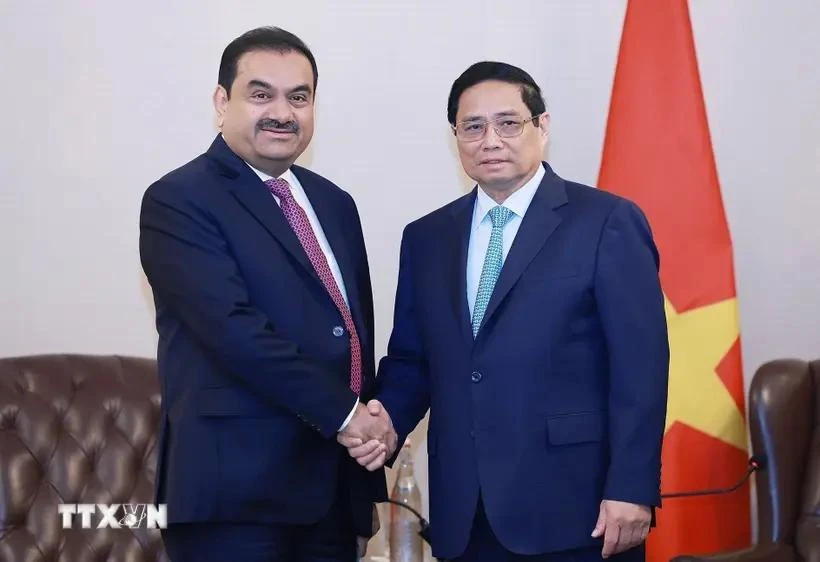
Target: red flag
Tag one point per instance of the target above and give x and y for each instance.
(658, 153)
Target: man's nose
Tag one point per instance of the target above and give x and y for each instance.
(491, 140)
(279, 110)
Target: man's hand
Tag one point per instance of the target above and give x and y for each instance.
(370, 437)
(623, 526)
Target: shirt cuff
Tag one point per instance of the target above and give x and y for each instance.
(350, 415)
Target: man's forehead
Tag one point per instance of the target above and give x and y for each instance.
(275, 81)
(492, 98)
(251, 81)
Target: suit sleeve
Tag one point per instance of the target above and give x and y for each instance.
(404, 386)
(189, 265)
(630, 303)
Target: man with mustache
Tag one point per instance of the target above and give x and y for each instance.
(264, 313)
(529, 319)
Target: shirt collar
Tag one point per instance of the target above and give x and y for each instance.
(287, 175)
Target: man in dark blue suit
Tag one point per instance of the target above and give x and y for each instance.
(265, 319)
(529, 319)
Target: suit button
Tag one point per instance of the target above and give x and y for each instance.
(476, 377)
(472, 434)
(338, 331)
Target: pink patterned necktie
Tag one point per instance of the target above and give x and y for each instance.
(300, 224)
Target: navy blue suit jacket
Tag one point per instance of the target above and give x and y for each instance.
(560, 400)
(255, 383)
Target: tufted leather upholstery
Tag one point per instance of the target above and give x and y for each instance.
(76, 429)
(784, 418)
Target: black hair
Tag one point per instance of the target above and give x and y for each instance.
(490, 70)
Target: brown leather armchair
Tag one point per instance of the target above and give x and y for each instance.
(784, 420)
(76, 429)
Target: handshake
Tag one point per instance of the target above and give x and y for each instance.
(369, 436)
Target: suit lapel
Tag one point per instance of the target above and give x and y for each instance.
(337, 237)
(252, 194)
(539, 222)
(454, 263)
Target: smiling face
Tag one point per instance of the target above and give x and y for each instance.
(267, 117)
(500, 164)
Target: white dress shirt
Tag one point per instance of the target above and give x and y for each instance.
(301, 198)
(482, 227)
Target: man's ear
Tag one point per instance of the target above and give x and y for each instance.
(221, 98)
(544, 124)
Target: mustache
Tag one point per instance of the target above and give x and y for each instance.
(263, 124)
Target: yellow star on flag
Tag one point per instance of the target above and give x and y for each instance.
(699, 339)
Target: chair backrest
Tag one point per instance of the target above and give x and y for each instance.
(784, 404)
(76, 429)
(807, 539)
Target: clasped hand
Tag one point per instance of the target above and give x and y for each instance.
(369, 437)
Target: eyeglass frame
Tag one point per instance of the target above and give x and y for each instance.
(487, 122)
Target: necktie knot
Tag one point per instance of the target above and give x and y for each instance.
(500, 216)
(279, 187)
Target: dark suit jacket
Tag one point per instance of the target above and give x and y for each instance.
(254, 381)
(560, 400)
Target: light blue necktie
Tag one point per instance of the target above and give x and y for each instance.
(492, 264)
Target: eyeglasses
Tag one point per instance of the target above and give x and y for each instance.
(506, 127)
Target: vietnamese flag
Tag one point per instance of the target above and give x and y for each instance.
(658, 153)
